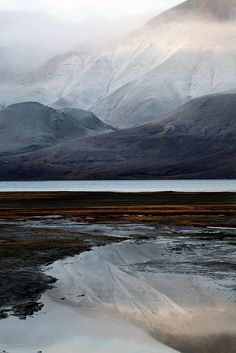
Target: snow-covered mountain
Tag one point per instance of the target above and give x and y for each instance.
(185, 52)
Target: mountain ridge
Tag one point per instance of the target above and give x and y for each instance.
(144, 76)
(31, 126)
(197, 140)
(208, 9)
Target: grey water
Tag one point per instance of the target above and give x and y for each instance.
(121, 186)
(194, 268)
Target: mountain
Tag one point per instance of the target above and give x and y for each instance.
(201, 9)
(31, 126)
(179, 55)
(89, 121)
(197, 140)
(183, 53)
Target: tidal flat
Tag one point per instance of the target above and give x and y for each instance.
(94, 272)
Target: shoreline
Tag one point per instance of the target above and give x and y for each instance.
(190, 209)
(189, 328)
(38, 229)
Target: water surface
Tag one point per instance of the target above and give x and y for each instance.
(122, 185)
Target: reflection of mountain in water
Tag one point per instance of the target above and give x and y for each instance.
(154, 283)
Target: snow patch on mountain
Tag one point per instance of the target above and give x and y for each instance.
(181, 54)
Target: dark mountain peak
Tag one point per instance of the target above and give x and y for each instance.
(212, 115)
(27, 108)
(27, 104)
(30, 126)
(215, 10)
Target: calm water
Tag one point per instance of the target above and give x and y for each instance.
(122, 185)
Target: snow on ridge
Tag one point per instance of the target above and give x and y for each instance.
(140, 79)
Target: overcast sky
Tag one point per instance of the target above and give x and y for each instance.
(80, 10)
(38, 29)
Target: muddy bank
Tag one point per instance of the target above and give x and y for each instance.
(166, 207)
(26, 246)
(23, 250)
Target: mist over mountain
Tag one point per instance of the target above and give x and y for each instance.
(197, 140)
(169, 88)
(185, 52)
(200, 9)
(181, 54)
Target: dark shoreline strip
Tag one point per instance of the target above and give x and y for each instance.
(217, 209)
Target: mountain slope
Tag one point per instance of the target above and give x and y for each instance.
(181, 54)
(209, 9)
(185, 52)
(195, 141)
(31, 126)
(89, 121)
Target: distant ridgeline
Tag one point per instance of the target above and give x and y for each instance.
(197, 140)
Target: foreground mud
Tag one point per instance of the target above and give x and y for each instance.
(23, 250)
(37, 229)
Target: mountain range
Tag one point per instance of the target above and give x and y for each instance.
(183, 53)
(197, 140)
(161, 103)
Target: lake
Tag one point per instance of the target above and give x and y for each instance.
(121, 185)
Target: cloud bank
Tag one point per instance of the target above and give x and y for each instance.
(38, 29)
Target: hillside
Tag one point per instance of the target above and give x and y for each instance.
(183, 53)
(195, 141)
(30, 126)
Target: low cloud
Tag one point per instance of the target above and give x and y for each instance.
(78, 9)
(35, 30)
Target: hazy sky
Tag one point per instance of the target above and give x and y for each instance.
(38, 29)
(76, 10)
